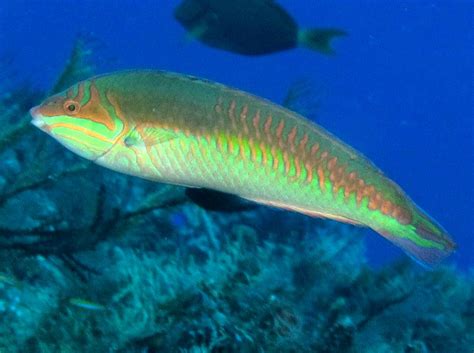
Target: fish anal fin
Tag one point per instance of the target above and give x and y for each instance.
(311, 213)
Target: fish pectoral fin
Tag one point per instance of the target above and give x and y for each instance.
(197, 32)
(154, 136)
(149, 136)
(311, 213)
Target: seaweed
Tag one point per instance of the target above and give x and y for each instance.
(248, 296)
(19, 99)
(79, 66)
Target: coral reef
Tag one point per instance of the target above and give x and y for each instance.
(93, 261)
(254, 293)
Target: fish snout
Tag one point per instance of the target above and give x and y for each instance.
(37, 117)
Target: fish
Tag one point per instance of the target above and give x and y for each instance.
(250, 27)
(9, 280)
(179, 129)
(297, 99)
(86, 304)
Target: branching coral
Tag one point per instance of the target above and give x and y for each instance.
(254, 295)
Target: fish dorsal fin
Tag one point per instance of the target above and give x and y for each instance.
(307, 212)
(148, 136)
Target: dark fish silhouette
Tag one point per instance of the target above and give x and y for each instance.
(250, 27)
(218, 201)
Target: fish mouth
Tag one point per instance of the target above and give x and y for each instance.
(37, 118)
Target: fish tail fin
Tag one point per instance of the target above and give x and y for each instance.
(319, 38)
(424, 240)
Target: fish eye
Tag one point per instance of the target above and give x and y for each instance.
(71, 107)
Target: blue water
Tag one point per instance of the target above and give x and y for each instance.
(400, 88)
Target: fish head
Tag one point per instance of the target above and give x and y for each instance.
(81, 118)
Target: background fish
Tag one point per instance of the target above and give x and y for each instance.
(182, 130)
(86, 304)
(9, 280)
(250, 27)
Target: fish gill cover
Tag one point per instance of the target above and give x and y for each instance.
(93, 261)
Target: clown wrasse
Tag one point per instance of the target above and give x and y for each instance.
(182, 130)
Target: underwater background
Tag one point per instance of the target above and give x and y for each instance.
(94, 261)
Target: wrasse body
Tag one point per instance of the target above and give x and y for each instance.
(178, 129)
